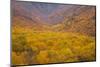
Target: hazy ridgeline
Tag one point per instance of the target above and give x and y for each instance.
(52, 33)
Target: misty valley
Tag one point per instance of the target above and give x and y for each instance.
(44, 33)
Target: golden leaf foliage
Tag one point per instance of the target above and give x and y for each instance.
(52, 47)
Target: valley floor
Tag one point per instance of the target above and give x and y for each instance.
(51, 47)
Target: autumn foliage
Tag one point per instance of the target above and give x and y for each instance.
(45, 33)
(52, 47)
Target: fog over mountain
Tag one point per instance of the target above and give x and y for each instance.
(56, 17)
